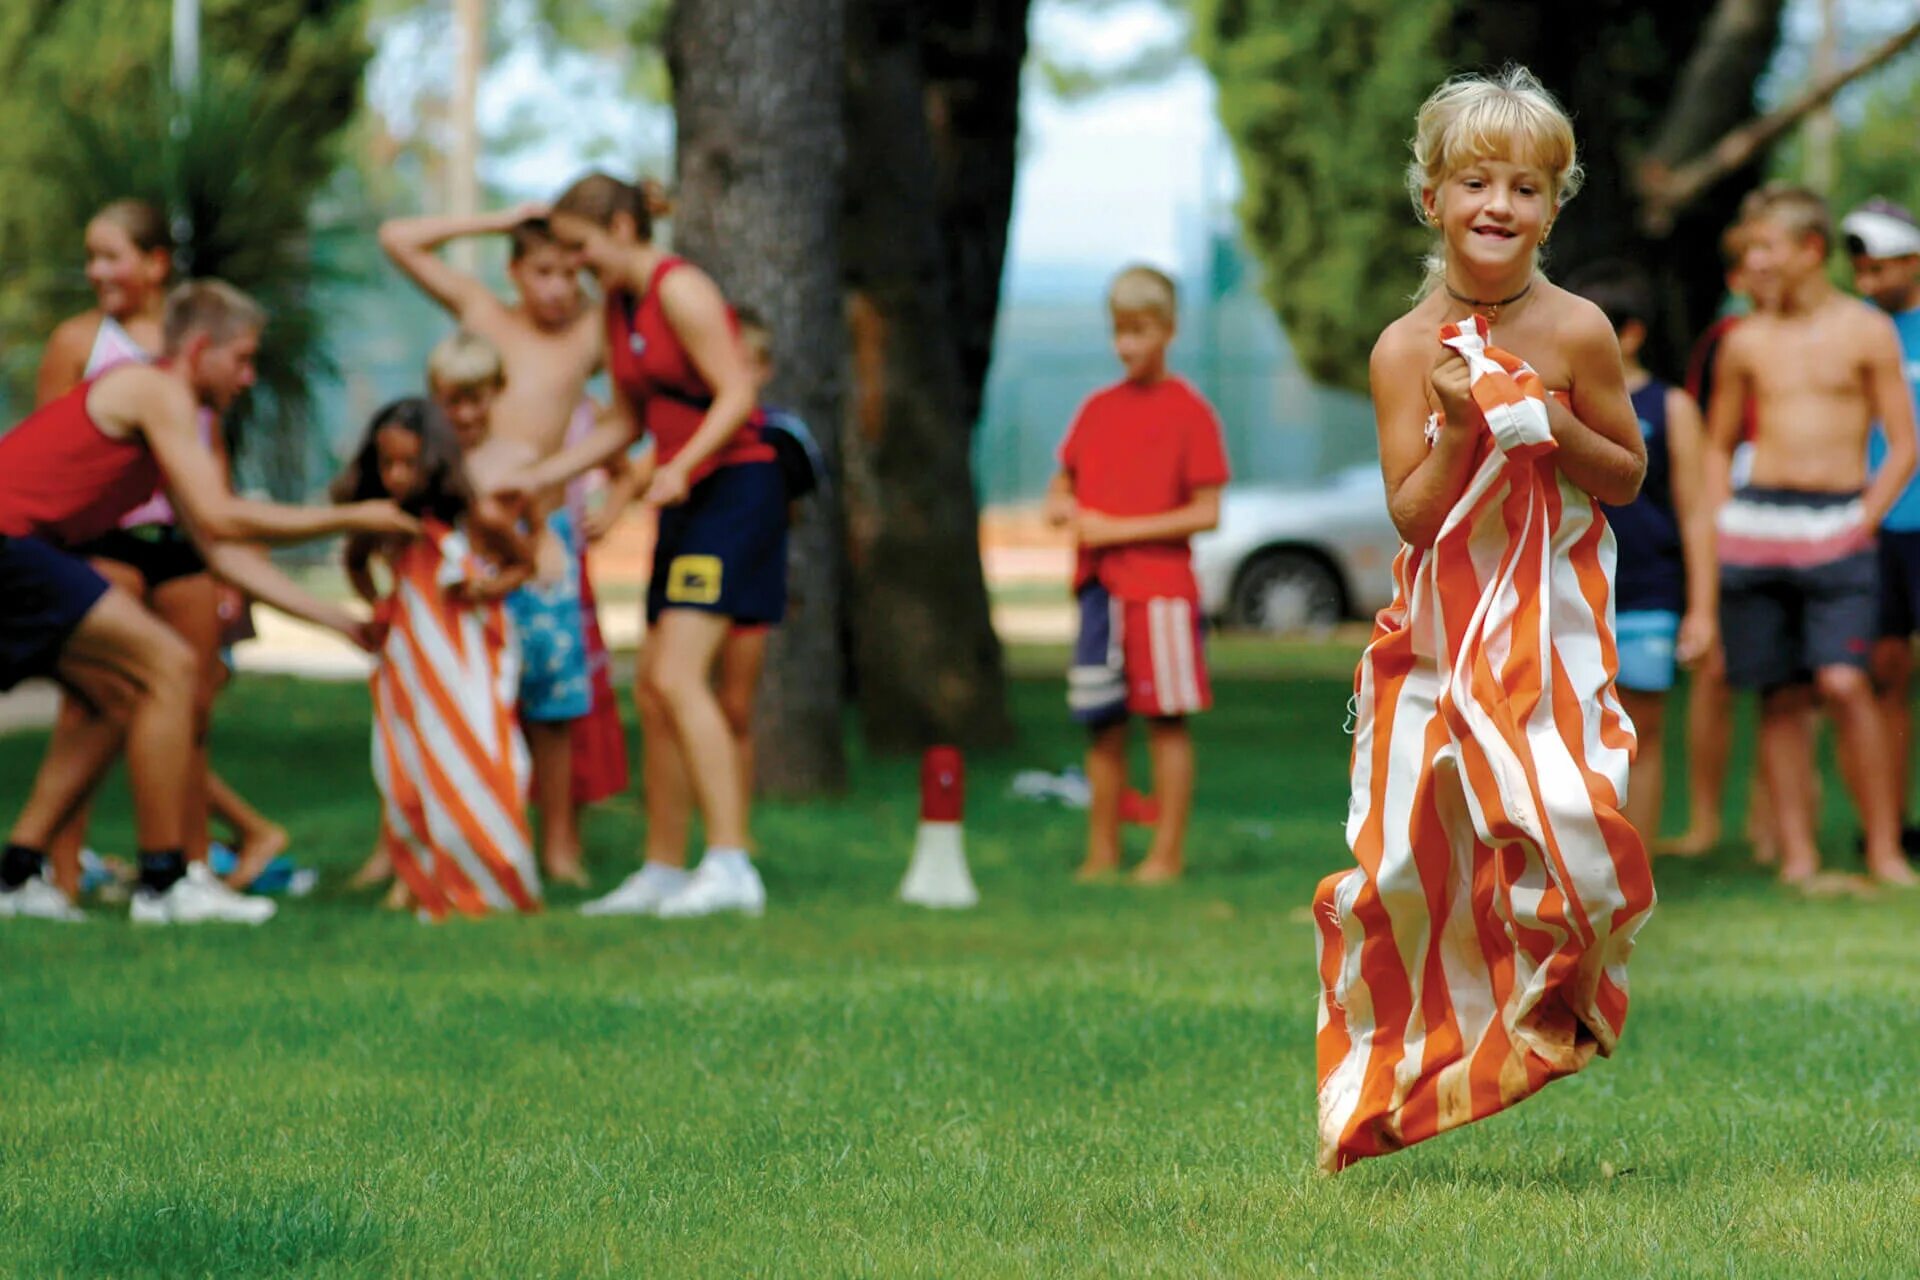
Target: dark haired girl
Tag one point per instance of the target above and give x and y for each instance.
(448, 757)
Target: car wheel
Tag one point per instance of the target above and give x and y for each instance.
(1285, 592)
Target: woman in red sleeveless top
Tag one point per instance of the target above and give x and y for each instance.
(682, 378)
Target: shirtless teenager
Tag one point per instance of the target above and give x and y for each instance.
(550, 344)
(1799, 577)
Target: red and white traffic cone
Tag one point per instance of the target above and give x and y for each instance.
(938, 875)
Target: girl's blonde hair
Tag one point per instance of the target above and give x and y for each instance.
(1506, 116)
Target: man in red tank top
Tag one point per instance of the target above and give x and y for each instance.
(69, 472)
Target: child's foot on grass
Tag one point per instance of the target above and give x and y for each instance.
(1695, 842)
(567, 871)
(399, 898)
(1098, 871)
(1151, 872)
(1829, 884)
(1766, 851)
(376, 870)
(1893, 874)
(255, 853)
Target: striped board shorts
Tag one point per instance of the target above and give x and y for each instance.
(1143, 657)
(1799, 585)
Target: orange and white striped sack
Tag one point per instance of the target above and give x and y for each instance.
(448, 756)
(1479, 949)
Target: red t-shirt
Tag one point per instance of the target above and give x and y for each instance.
(1141, 451)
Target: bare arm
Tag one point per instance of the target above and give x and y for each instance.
(64, 363)
(1059, 508)
(1891, 401)
(1732, 387)
(1686, 457)
(1601, 449)
(627, 479)
(359, 564)
(497, 537)
(249, 569)
(616, 429)
(1199, 514)
(1423, 483)
(412, 243)
(159, 408)
(698, 314)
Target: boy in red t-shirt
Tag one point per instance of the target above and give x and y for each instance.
(1140, 473)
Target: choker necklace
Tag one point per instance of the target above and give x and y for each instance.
(1491, 310)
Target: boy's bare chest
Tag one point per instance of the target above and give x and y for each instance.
(1791, 360)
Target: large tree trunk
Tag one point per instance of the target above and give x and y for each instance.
(756, 95)
(1656, 82)
(932, 123)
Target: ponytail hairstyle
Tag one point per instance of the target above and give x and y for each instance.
(599, 196)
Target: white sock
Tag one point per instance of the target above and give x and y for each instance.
(732, 861)
(664, 874)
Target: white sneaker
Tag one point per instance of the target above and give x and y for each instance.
(714, 888)
(37, 899)
(640, 894)
(199, 897)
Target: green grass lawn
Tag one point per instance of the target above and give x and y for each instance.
(1066, 1081)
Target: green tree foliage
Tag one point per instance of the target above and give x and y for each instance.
(85, 117)
(1318, 97)
(1874, 152)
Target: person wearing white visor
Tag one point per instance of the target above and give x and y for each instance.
(1883, 244)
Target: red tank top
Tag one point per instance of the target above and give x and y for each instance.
(648, 364)
(62, 480)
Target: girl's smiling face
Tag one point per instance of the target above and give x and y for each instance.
(1492, 214)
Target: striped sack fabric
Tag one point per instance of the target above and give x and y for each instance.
(448, 757)
(1479, 949)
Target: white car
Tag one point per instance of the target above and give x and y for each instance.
(1287, 560)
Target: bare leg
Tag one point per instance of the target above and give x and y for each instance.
(1786, 768)
(667, 791)
(1709, 743)
(1849, 698)
(63, 851)
(191, 607)
(1171, 748)
(551, 745)
(1893, 679)
(1106, 778)
(259, 840)
(741, 659)
(119, 645)
(1646, 782)
(685, 643)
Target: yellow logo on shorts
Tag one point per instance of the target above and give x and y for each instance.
(694, 580)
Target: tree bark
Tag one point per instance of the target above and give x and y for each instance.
(756, 94)
(932, 123)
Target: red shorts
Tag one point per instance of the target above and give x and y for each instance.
(1145, 655)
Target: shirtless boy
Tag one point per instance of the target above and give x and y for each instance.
(1799, 576)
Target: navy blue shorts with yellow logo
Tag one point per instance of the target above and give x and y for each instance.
(724, 550)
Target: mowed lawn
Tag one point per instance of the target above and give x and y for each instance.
(1066, 1081)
